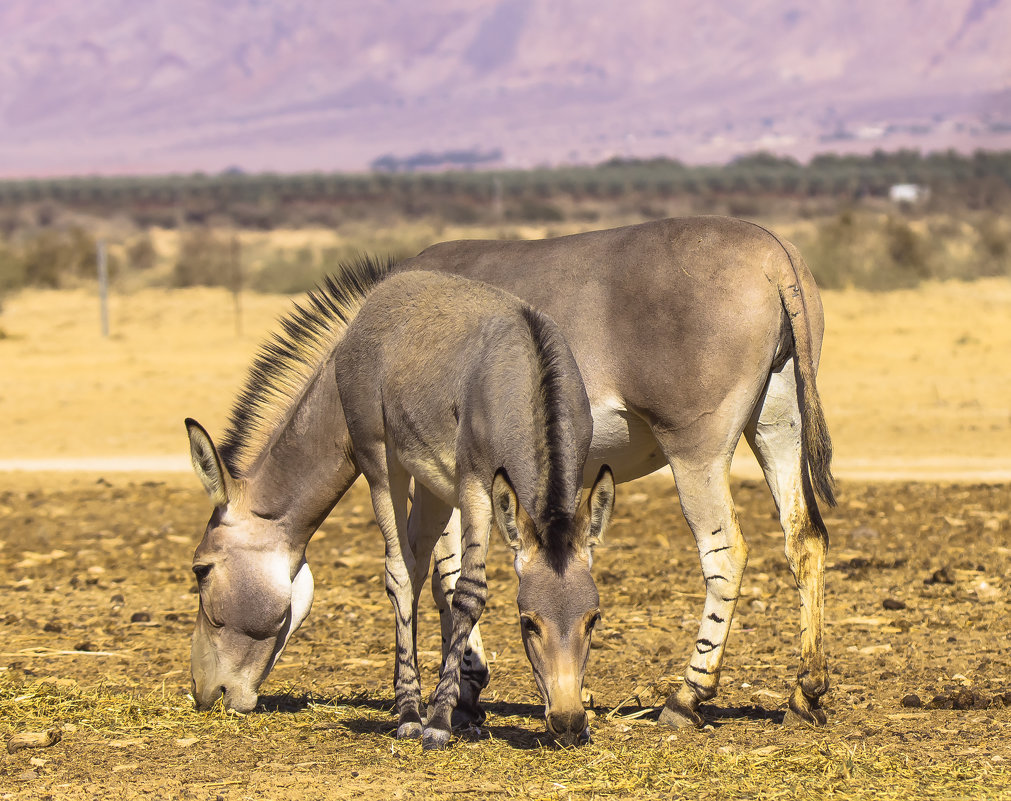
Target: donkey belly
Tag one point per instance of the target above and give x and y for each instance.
(624, 442)
(437, 471)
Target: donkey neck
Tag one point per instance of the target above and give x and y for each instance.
(305, 466)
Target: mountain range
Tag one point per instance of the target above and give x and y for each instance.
(120, 87)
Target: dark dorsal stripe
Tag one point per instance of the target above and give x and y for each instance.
(554, 512)
(291, 356)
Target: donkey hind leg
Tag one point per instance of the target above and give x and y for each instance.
(704, 490)
(428, 518)
(474, 672)
(389, 499)
(774, 434)
(469, 597)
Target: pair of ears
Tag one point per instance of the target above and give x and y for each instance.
(592, 517)
(591, 521)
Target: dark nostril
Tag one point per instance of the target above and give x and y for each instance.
(567, 724)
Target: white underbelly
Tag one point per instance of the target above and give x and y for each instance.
(624, 442)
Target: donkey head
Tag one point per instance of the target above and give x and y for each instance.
(255, 589)
(558, 601)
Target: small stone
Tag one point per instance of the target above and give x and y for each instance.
(942, 576)
(912, 701)
(963, 698)
(52, 627)
(85, 646)
(893, 603)
(140, 617)
(33, 739)
(940, 702)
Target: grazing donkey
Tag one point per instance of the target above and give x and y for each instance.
(687, 333)
(453, 383)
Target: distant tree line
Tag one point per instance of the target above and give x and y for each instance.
(426, 160)
(981, 180)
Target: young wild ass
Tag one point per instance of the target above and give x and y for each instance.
(453, 383)
(688, 333)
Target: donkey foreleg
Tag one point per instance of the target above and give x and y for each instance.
(709, 510)
(474, 672)
(469, 597)
(389, 499)
(428, 518)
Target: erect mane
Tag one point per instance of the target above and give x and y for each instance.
(556, 515)
(287, 361)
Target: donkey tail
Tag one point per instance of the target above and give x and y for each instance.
(816, 443)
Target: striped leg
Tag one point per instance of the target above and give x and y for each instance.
(428, 518)
(474, 673)
(389, 499)
(709, 510)
(775, 436)
(469, 597)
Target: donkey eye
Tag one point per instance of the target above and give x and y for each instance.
(201, 571)
(530, 625)
(592, 622)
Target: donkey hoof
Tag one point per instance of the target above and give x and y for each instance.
(791, 720)
(804, 718)
(680, 718)
(435, 739)
(409, 731)
(804, 711)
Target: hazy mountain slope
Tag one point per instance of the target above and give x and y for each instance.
(115, 85)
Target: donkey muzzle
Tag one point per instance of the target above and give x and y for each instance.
(569, 728)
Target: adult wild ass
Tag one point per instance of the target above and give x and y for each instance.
(687, 332)
(453, 383)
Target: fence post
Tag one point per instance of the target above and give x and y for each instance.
(103, 287)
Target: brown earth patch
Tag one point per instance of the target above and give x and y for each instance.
(99, 605)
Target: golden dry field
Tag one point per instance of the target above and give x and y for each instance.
(914, 382)
(99, 600)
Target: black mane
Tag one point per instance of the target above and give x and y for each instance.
(556, 516)
(292, 355)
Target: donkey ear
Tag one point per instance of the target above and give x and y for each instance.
(207, 464)
(596, 515)
(510, 517)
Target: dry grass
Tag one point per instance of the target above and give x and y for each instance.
(626, 760)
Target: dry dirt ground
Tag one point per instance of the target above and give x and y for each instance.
(99, 606)
(98, 600)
